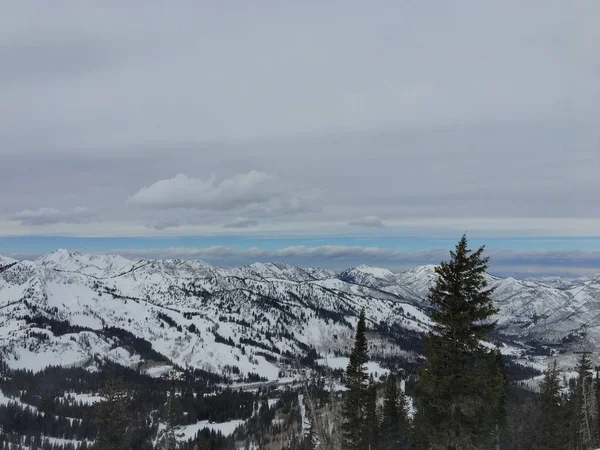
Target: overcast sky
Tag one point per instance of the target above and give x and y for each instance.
(300, 118)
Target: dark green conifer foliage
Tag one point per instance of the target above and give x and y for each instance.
(549, 434)
(394, 422)
(168, 439)
(357, 380)
(112, 416)
(461, 385)
(390, 419)
(597, 405)
(582, 408)
(372, 422)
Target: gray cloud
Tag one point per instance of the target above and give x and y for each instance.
(48, 216)
(254, 194)
(188, 192)
(475, 112)
(242, 222)
(367, 221)
(163, 224)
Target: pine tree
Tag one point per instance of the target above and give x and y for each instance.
(549, 434)
(355, 405)
(583, 411)
(572, 407)
(111, 416)
(500, 411)
(168, 439)
(461, 385)
(390, 419)
(403, 419)
(597, 404)
(372, 423)
(394, 422)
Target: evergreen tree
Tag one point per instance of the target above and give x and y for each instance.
(549, 434)
(461, 385)
(394, 422)
(168, 439)
(390, 420)
(403, 419)
(597, 405)
(355, 406)
(112, 417)
(372, 422)
(582, 410)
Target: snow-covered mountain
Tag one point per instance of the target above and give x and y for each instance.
(69, 308)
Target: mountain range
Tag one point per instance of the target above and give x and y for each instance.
(258, 321)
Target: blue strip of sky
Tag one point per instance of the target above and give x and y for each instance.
(43, 244)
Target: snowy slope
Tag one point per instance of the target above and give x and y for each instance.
(5, 261)
(67, 308)
(70, 308)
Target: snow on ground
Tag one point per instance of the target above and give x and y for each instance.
(158, 371)
(226, 428)
(416, 313)
(505, 349)
(410, 407)
(5, 261)
(60, 441)
(377, 272)
(341, 362)
(304, 422)
(10, 293)
(337, 387)
(87, 399)
(4, 400)
(68, 350)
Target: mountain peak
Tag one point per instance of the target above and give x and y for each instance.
(424, 270)
(377, 272)
(58, 255)
(5, 260)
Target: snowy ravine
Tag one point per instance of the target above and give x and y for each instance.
(68, 308)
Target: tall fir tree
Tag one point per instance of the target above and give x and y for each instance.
(461, 385)
(390, 419)
(499, 416)
(168, 438)
(354, 426)
(394, 421)
(549, 434)
(372, 422)
(597, 405)
(112, 417)
(582, 410)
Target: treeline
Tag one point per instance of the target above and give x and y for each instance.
(44, 412)
(558, 417)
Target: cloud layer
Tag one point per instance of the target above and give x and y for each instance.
(212, 118)
(242, 222)
(248, 195)
(368, 221)
(50, 216)
(182, 191)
